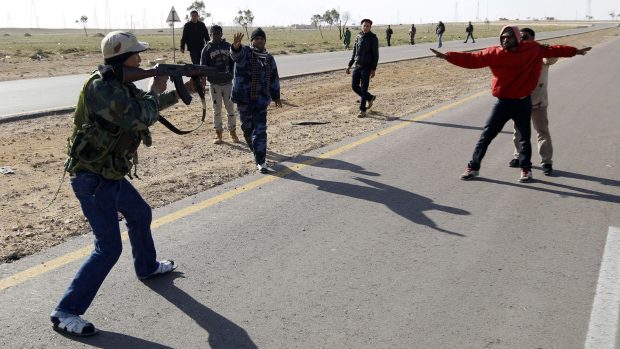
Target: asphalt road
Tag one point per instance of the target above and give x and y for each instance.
(39, 96)
(375, 243)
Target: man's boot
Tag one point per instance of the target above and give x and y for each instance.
(233, 136)
(218, 137)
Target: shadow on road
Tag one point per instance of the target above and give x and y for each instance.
(404, 203)
(443, 124)
(331, 163)
(113, 340)
(570, 190)
(604, 181)
(223, 333)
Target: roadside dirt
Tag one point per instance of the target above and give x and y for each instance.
(178, 166)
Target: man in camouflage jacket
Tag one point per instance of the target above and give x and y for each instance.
(110, 122)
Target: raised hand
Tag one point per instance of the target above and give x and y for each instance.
(438, 54)
(583, 51)
(237, 40)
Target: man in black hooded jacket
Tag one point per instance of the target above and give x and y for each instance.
(365, 57)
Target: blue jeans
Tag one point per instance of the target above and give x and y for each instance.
(101, 200)
(254, 125)
(439, 37)
(519, 110)
(359, 83)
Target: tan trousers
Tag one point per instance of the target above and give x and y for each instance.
(220, 94)
(540, 121)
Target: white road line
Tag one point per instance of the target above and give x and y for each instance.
(604, 316)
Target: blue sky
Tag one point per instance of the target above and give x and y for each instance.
(117, 14)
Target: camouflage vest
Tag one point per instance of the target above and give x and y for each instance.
(100, 146)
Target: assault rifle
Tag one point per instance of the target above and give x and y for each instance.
(176, 72)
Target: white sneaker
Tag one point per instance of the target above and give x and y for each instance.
(164, 267)
(526, 175)
(263, 168)
(72, 324)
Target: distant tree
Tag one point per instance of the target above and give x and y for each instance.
(317, 21)
(83, 20)
(200, 7)
(341, 21)
(328, 18)
(612, 14)
(244, 18)
(589, 17)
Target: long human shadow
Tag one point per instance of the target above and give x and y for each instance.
(574, 191)
(583, 177)
(223, 333)
(443, 124)
(113, 340)
(331, 163)
(404, 203)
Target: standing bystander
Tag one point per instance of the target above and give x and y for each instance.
(540, 120)
(412, 34)
(388, 35)
(347, 38)
(439, 30)
(217, 54)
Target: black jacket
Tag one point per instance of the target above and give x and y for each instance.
(218, 55)
(365, 51)
(195, 35)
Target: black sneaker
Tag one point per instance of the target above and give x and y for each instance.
(547, 169)
(514, 163)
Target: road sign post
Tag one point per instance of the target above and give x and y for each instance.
(173, 17)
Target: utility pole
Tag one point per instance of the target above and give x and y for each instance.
(456, 11)
(173, 17)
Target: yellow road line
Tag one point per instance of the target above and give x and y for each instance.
(56, 263)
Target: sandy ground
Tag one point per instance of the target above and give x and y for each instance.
(178, 166)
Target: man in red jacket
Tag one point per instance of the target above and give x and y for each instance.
(516, 67)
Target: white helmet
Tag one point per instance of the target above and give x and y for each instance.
(119, 42)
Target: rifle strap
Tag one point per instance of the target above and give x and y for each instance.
(173, 128)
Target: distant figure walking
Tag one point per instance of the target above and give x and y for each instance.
(439, 30)
(470, 33)
(347, 38)
(412, 34)
(195, 36)
(388, 35)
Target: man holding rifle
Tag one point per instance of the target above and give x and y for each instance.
(111, 119)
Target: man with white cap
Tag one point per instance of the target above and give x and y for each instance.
(111, 119)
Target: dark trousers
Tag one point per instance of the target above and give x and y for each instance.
(470, 35)
(254, 125)
(195, 56)
(101, 200)
(359, 83)
(389, 40)
(519, 110)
